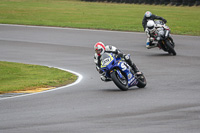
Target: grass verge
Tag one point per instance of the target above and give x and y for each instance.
(19, 77)
(182, 20)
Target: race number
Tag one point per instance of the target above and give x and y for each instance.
(124, 66)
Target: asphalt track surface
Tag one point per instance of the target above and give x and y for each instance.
(169, 103)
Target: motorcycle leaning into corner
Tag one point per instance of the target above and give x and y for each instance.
(121, 73)
(163, 39)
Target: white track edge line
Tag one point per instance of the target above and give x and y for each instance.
(62, 28)
(80, 77)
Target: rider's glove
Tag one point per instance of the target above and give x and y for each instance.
(151, 39)
(120, 55)
(165, 21)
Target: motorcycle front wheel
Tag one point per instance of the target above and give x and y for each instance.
(121, 83)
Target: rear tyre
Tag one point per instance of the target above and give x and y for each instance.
(141, 81)
(122, 84)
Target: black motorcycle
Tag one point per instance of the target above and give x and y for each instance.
(164, 39)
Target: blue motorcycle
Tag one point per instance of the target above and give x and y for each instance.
(121, 73)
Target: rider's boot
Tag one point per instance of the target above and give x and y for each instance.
(151, 45)
(135, 69)
(147, 45)
(132, 65)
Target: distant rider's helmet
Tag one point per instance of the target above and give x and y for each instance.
(148, 14)
(151, 26)
(99, 48)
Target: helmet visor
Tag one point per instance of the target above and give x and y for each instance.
(98, 51)
(150, 27)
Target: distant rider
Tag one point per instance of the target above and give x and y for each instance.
(149, 16)
(152, 32)
(100, 48)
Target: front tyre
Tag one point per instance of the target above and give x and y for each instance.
(122, 84)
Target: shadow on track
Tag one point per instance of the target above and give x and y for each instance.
(118, 90)
(160, 54)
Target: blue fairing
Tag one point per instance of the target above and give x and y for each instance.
(110, 63)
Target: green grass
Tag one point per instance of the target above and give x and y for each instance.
(94, 15)
(17, 76)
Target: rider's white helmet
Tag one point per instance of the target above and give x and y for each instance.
(148, 14)
(99, 48)
(151, 26)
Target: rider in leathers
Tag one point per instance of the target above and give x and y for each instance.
(152, 32)
(100, 48)
(149, 16)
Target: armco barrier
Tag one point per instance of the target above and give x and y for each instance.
(156, 2)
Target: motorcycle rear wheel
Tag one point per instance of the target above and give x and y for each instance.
(141, 81)
(118, 82)
(170, 48)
